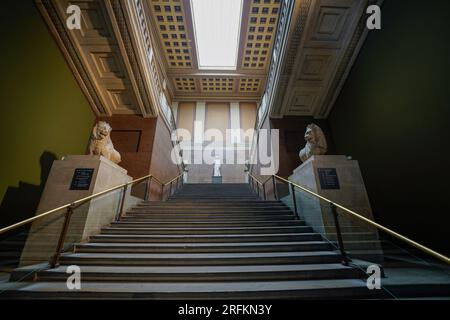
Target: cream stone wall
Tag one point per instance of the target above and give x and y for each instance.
(88, 218)
(358, 237)
(233, 116)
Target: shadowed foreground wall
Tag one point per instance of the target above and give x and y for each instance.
(43, 113)
(393, 115)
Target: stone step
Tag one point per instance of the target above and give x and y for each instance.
(207, 238)
(217, 208)
(124, 223)
(210, 212)
(205, 273)
(203, 247)
(11, 245)
(212, 190)
(215, 191)
(303, 289)
(211, 217)
(206, 242)
(199, 259)
(216, 195)
(225, 186)
(198, 231)
(255, 202)
(6, 255)
(168, 204)
(234, 221)
(199, 198)
(210, 209)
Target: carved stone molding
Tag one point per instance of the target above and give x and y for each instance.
(326, 36)
(101, 55)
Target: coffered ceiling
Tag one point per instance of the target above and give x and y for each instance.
(172, 24)
(137, 56)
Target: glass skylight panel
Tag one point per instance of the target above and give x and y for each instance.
(217, 27)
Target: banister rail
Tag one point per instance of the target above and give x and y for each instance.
(353, 214)
(83, 200)
(372, 223)
(70, 207)
(173, 180)
(157, 180)
(254, 178)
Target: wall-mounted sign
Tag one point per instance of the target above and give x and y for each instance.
(328, 178)
(82, 178)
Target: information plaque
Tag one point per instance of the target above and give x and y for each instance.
(328, 178)
(82, 178)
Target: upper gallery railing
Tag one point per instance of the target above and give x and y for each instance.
(279, 47)
(155, 76)
(278, 52)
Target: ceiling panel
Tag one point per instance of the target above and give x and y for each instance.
(170, 18)
(173, 27)
(260, 32)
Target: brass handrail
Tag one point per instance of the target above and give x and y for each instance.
(81, 201)
(372, 223)
(254, 178)
(257, 180)
(174, 179)
(262, 184)
(157, 180)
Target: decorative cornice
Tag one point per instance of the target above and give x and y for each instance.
(121, 22)
(347, 63)
(316, 64)
(290, 59)
(59, 31)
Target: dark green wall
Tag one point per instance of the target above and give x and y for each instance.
(43, 113)
(393, 115)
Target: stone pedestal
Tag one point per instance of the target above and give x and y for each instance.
(217, 179)
(88, 218)
(340, 180)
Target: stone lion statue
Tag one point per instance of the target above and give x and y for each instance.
(316, 144)
(101, 144)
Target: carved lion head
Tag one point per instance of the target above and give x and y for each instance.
(314, 135)
(101, 130)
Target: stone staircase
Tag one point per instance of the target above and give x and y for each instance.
(208, 241)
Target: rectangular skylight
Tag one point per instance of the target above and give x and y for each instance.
(217, 26)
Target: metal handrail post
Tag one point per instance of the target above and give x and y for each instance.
(345, 259)
(122, 203)
(62, 237)
(264, 191)
(147, 188)
(294, 200)
(274, 188)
